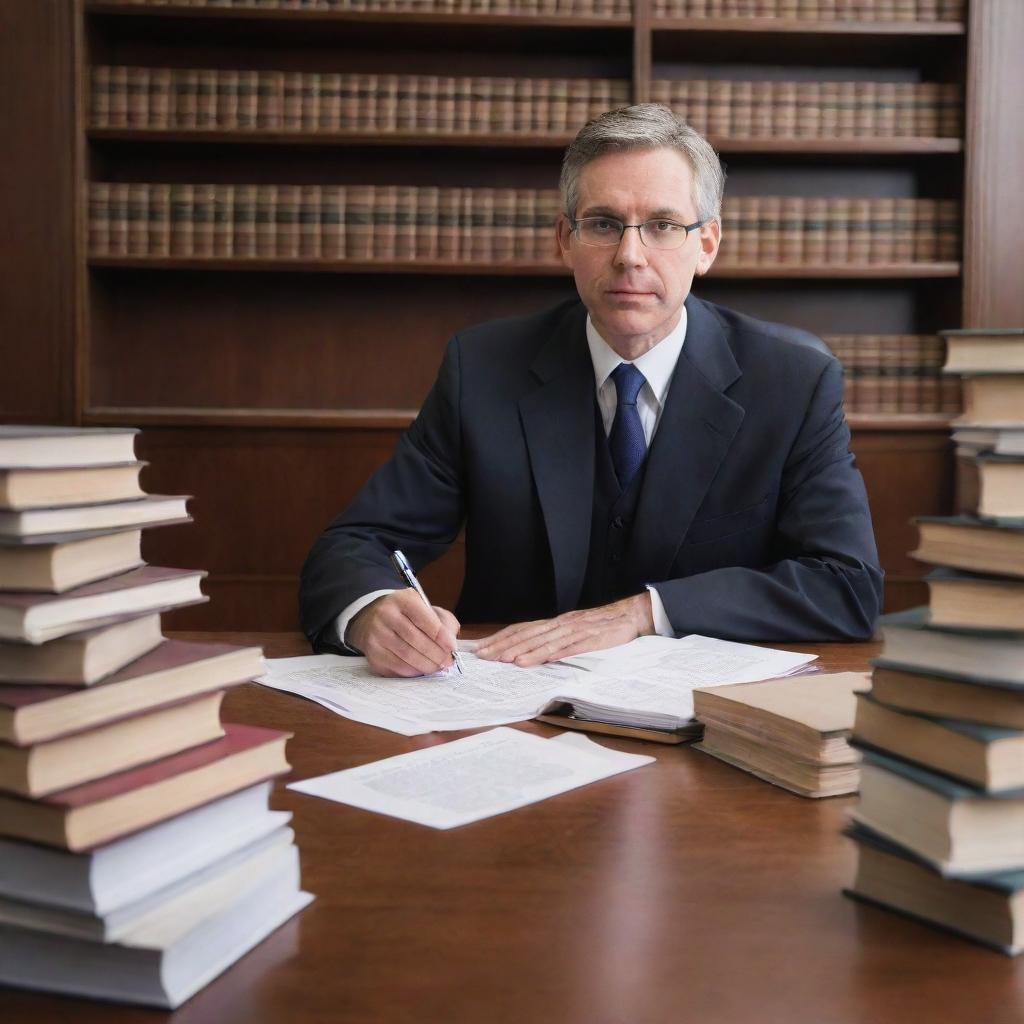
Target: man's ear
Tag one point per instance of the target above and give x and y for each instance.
(710, 240)
(563, 236)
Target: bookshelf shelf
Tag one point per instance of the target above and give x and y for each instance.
(780, 26)
(725, 271)
(389, 419)
(251, 14)
(853, 146)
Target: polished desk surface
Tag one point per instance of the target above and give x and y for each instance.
(683, 891)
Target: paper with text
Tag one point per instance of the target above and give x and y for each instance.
(472, 778)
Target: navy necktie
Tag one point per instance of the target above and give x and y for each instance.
(626, 440)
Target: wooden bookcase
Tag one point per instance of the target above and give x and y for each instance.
(270, 389)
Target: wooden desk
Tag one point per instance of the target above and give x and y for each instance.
(684, 891)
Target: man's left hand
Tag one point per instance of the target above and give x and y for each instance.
(534, 643)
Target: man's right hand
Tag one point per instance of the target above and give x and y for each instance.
(401, 636)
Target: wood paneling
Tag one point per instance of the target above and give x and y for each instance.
(37, 188)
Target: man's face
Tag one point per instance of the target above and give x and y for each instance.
(634, 293)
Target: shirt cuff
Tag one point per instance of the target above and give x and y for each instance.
(661, 624)
(342, 621)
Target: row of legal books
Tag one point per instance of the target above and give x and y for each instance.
(139, 856)
(758, 109)
(351, 222)
(618, 9)
(895, 373)
(793, 229)
(178, 98)
(940, 823)
(814, 10)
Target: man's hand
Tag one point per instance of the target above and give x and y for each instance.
(533, 643)
(401, 636)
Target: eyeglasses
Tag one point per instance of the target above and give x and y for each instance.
(657, 233)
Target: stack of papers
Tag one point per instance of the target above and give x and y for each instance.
(646, 683)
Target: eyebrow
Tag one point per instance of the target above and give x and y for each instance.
(665, 213)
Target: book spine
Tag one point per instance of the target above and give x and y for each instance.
(118, 106)
(266, 221)
(99, 218)
(449, 206)
(244, 221)
(427, 209)
(287, 218)
(227, 100)
(138, 97)
(405, 223)
(223, 220)
(330, 103)
(291, 114)
(159, 220)
(248, 96)
(186, 99)
(161, 99)
(99, 96)
(332, 222)
(181, 220)
(202, 218)
(359, 243)
(206, 99)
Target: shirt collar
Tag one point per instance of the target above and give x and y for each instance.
(657, 364)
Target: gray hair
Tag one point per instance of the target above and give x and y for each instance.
(645, 126)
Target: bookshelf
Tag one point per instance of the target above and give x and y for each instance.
(302, 371)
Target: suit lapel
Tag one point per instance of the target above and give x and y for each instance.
(558, 423)
(696, 428)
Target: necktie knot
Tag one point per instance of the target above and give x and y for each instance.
(628, 382)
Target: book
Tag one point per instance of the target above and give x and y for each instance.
(998, 490)
(40, 488)
(993, 398)
(145, 511)
(910, 640)
(81, 757)
(985, 351)
(977, 545)
(32, 446)
(214, 883)
(127, 870)
(81, 658)
(790, 732)
(987, 757)
(989, 910)
(99, 812)
(174, 671)
(958, 830)
(157, 965)
(938, 694)
(36, 618)
(1000, 441)
(972, 601)
(55, 568)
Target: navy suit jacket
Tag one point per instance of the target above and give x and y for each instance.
(752, 520)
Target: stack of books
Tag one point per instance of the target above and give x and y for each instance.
(940, 825)
(793, 733)
(138, 856)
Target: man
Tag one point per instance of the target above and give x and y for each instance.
(642, 462)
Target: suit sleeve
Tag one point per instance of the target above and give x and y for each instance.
(414, 502)
(828, 585)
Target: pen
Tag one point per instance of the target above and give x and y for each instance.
(404, 569)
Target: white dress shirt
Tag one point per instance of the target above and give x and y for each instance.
(657, 365)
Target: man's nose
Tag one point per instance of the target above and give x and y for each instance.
(631, 251)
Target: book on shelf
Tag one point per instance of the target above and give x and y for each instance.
(988, 909)
(36, 618)
(976, 545)
(115, 746)
(959, 830)
(909, 638)
(995, 350)
(969, 697)
(173, 671)
(791, 732)
(149, 510)
(81, 659)
(57, 567)
(988, 757)
(63, 447)
(128, 870)
(99, 812)
(39, 488)
(162, 962)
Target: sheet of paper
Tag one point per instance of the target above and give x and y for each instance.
(489, 693)
(472, 778)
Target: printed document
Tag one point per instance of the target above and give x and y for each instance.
(647, 683)
(472, 778)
